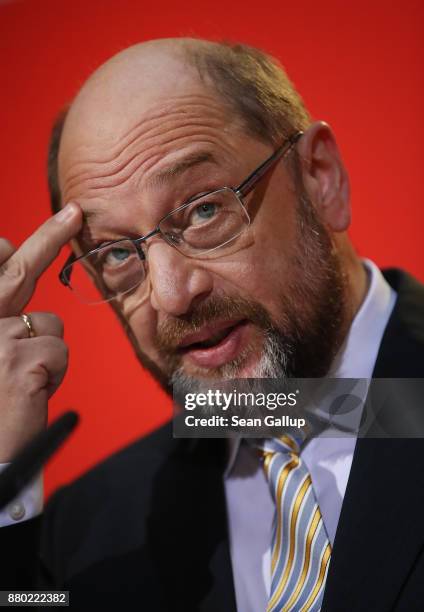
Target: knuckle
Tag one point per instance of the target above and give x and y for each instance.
(9, 357)
(55, 322)
(65, 353)
(59, 347)
(15, 270)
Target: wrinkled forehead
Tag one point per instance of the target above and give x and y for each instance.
(125, 93)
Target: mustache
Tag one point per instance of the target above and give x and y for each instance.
(216, 308)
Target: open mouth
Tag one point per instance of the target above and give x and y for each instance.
(215, 345)
(212, 340)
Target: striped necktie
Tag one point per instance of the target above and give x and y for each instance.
(300, 547)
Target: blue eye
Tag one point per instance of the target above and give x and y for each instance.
(203, 212)
(116, 256)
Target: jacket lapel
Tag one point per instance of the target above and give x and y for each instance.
(191, 551)
(381, 532)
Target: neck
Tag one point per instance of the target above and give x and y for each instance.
(356, 280)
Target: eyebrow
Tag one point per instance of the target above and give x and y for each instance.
(179, 167)
(84, 233)
(160, 178)
(89, 214)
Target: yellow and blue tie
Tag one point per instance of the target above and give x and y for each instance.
(300, 547)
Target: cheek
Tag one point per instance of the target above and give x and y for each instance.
(276, 225)
(143, 323)
(267, 265)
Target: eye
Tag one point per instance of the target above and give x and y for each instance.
(203, 212)
(116, 256)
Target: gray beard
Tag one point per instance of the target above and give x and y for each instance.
(272, 364)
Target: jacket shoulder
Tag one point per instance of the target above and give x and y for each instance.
(104, 511)
(127, 464)
(401, 352)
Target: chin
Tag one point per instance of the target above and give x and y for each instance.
(254, 363)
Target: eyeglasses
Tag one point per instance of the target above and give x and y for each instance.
(202, 225)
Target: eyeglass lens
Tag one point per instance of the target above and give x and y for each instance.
(195, 229)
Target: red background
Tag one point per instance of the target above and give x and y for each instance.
(359, 65)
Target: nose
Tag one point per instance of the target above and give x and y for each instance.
(177, 282)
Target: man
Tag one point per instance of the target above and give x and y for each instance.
(218, 267)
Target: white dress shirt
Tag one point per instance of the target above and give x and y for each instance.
(29, 502)
(250, 506)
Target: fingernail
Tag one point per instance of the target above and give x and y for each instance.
(65, 214)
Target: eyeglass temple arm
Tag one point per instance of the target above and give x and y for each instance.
(64, 274)
(248, 184)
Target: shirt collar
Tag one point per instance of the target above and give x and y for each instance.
(358, 353)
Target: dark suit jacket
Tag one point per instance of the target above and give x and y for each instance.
(147, 529)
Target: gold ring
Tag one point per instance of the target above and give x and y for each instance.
(26, 318)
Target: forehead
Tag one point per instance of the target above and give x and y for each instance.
(129, 92)
(117, 122)
(161, 140)
(129, 130)
(150, 162)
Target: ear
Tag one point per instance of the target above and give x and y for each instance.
(324, 176)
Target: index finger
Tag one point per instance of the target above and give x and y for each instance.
(19, 273)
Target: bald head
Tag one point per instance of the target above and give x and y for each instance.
(252, 86)
(136, 79)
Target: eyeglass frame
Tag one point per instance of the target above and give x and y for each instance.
(245, 187)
